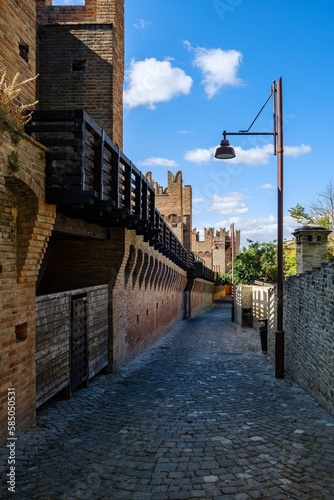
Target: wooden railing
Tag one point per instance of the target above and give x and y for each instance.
(88, 176)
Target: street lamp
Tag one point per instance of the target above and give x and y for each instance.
(226, 152)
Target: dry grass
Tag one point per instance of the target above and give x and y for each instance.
(13, 114)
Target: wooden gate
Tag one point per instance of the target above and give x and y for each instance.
(79, 355)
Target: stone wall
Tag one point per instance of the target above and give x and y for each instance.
(308, 325)
(309, 332)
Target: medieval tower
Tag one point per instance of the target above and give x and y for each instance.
(175, 204)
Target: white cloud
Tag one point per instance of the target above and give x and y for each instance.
(184, 131)
(219, 67)
(263, 229)
(295, 151)
(151, 81)
(198, 200)
(253, 156)
(261, 155)
(157, 161)
(141, 24)
(267, 186)
(198, 155)
(231, 203)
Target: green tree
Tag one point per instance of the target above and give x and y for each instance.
(289, 258)
(225, 278)
(259, 262)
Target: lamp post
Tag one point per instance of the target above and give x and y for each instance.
(226, 152)
(232, 258)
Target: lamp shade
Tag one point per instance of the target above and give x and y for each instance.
(225, 151)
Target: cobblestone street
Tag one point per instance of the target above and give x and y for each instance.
(198, 415)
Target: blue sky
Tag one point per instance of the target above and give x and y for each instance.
(194, 69)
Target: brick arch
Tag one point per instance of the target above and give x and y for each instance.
(129, 264)
(136, 269)
(25, 212)
(149, 271)
(162, 277)
(143, 270)
(169, 279)
(154, 272)
(158, 275)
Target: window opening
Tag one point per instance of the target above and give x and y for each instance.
(24, 50)
(65, 3)
(21, 332)
(79, 65)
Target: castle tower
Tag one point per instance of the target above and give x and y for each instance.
(175, 204)
(86, 70)
(216, 249)
(311, 246)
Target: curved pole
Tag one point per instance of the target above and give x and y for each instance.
(276, 92)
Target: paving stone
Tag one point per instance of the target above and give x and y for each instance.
(198, 415)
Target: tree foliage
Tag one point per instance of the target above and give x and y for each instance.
(225, 278)
(259, 262)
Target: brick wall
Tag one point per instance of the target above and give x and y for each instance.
(308, 326)
(145, 288)
(201, 296)
(17, 29)
(26, 225)
(86, 70)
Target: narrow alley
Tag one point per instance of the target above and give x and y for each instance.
(198, 415)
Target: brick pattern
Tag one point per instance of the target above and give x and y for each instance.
(17, 25)
(152, 301)
(175, 203)
(138, 277)
(86, 70)
(201, 296)
(26, 225)
(308, 327)
(145, 288)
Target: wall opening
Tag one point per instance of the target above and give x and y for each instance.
(21, 332)
(79, 65)
(65, 3)
(24, 50)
